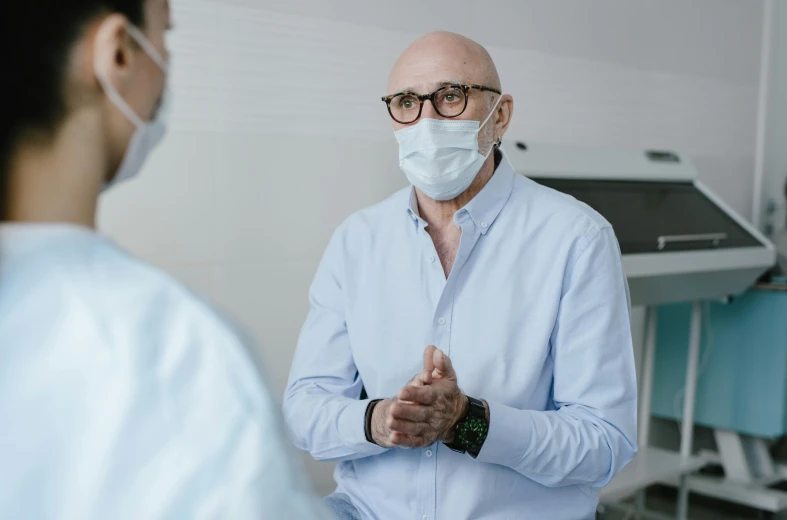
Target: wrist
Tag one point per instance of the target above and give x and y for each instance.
(368, 421)
(462, 411)
(469, 434)
(379, 430)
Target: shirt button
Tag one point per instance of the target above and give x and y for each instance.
(425, 517)
(441, 320)
(428, 453)
(484, 224)
(432, 259)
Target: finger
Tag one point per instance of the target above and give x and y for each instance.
(417, 380)
(443, 364)
(429, 358)
(410, 412)
(402, 440)
(426, 377)
(414, 394)
(408, 427)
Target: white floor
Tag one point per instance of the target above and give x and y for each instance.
(663, 500)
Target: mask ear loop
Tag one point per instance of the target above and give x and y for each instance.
(110, 89)
(148, 47)
(496, 143)
(494, 109)
(499, 145)
(114, 95)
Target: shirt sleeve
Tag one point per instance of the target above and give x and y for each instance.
(204, 436)
(321, 403)
(591, 434)
(264, 474)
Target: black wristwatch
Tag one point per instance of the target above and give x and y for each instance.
(470, 432)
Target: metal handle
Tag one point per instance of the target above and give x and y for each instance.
(714, 238)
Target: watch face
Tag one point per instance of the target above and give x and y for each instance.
(472, 438)
(472, 432)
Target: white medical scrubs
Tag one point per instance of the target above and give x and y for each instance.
(122, 395)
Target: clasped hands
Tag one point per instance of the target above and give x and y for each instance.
(426, 410)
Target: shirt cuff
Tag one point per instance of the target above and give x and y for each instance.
(510, 431)
(351, 429)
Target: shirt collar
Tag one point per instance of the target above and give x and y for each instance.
(412, 205)
(484, 207)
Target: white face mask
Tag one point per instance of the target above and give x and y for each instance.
(440, 156)
(147, 134)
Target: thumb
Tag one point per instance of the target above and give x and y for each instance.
(443, 364)
(429, 358)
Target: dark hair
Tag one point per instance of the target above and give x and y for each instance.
(37, 37)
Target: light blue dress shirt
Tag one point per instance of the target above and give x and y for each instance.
(535, 318)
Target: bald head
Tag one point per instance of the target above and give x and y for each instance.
(442, 57)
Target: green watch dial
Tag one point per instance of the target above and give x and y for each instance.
(471, 433)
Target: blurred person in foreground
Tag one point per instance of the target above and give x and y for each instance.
(122, 395)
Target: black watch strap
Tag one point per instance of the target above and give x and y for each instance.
(367, 420)
(470, 432)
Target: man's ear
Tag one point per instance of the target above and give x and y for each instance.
(113, 54)
(505, 111)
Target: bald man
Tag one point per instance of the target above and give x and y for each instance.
(486, 317)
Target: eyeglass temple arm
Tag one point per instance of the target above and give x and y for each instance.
(485, 89)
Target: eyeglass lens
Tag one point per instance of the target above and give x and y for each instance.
(448, 102)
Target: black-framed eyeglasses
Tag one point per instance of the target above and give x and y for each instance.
(448, 101)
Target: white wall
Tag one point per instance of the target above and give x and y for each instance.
(278, 132)
(775, 159)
